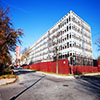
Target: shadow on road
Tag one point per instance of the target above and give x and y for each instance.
(15, 97)
(92, 84)
(94, 80)
(22, 71)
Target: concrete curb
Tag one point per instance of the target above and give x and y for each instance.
(70, 76)
(91, 74)
(7, 81)
(67, 77)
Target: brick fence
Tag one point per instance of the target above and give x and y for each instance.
(85, 69)
(63, 67)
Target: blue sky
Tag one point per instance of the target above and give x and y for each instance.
(38, 16)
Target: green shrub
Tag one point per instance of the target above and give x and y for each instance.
(8, 76)
(7, 71)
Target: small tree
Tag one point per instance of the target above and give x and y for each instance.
(25, 54)
(99, 58)
(9, 37)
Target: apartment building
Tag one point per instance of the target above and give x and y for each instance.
(69, 38)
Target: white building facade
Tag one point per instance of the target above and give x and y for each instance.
(17, 55)
(69, 38)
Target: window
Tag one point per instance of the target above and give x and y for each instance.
(70, 54)
(73, 44)
(67, 36)
(60, 32)
(68, 44)
(70, 27)
(78, 30)
(67, 20)
(63, 56)
(67, 28)
(60, 47)
(59, 41)
(73, 18)
(78, 22)
(70, 36)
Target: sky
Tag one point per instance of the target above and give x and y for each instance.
(36, 17)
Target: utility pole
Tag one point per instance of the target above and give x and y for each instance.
(56, 51)
(56, 48)
(56, 60)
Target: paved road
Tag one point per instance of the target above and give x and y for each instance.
(35, 86)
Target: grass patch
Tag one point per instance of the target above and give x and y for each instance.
(32, 69)
(7, 71)
(91, 73)
(84, 73)
(8, 76)
(57, 73)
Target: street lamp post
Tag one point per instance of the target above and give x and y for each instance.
(56, 53)
(57, 63)
(54, 43)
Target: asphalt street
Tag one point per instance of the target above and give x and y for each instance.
(36, 86)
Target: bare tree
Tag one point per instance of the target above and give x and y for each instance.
(25, 55)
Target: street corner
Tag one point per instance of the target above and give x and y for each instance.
(69, 77)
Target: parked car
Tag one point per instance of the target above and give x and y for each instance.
(19, 67)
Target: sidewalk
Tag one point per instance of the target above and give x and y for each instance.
(68, 76)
